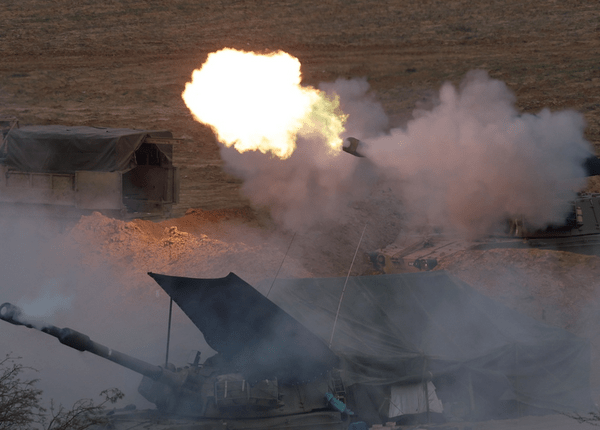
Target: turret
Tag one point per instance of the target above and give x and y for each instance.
(351, 145)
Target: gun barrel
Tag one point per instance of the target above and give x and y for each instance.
(82, 342)
(352, 146)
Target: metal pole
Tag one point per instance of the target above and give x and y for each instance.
(277, 274)
(169, 331)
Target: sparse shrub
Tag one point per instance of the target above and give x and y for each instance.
(21, 409)
(19, 399)
(83, 415)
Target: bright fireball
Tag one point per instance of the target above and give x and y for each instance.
(255, 102)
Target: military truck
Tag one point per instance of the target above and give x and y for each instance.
(70, 171)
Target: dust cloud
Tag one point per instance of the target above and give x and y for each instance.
(467, 164)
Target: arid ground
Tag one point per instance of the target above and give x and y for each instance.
(125, 64)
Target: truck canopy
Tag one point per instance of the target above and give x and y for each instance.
(63, 149)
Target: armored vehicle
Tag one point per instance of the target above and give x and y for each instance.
(269, 370)
(580, 233)
(413, 252)
(66, 171)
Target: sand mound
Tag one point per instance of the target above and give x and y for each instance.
(187, 246)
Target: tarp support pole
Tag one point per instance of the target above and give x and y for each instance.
(470, 388)
(426, 383)
(517, 384)
(169, 332)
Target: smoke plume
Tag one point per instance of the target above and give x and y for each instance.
(43, 274)
(467, 164)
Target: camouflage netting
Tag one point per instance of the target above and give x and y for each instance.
(403, 329)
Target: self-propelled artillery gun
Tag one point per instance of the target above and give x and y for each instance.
(269, 370)
(415, 251)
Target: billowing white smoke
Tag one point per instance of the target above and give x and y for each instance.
(311, 185)
(366, 117)
(314, 184)
(40, 310)
(467, 164)
(472, 161)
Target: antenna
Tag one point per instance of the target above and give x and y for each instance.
(281, 265)
(344, 289)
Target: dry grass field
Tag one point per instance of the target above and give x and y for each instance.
(125, 63)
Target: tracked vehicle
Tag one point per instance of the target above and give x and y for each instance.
(269, 372)
(580, 233)
(414, 252)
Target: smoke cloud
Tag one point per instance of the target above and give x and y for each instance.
(47, 304)
(44, 275)
(304, 189)
(472, 161)
(467, 164)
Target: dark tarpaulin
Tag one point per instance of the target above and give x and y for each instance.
(261, 340)
(398, 329)
(592, 166)
(62, 149)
